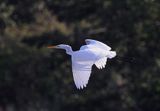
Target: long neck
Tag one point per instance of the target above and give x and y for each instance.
(69, 50)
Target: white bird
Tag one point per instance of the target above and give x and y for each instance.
(94, 52)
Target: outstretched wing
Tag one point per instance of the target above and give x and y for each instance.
(101, 63)
(97, 44)
(81, 73)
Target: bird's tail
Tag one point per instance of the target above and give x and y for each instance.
(112, 54)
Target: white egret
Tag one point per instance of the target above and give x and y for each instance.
(94, 52)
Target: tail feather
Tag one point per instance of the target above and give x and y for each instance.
(112, 54)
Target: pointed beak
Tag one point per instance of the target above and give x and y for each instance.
(51, 46)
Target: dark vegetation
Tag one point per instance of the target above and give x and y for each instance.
(34, 78)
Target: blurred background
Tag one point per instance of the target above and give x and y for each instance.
(34, 78)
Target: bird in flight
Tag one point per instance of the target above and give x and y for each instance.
(94, 52)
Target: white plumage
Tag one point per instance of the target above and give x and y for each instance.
(101, 63)
(94, 52)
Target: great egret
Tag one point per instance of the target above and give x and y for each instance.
(94, 52)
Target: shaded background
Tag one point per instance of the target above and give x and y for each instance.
(34, 78)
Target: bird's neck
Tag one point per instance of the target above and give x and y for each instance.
(69, 50)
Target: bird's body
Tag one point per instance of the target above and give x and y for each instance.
(94, 52)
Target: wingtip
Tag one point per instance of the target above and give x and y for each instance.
(81, 87)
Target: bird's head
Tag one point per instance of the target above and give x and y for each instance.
(63, 46)
(60, 46)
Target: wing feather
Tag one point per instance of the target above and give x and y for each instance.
(81, 73)
(96, 43)
(101, 63)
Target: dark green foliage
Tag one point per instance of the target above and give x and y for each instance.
(33, 77)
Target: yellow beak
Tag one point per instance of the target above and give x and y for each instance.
(51, 46)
